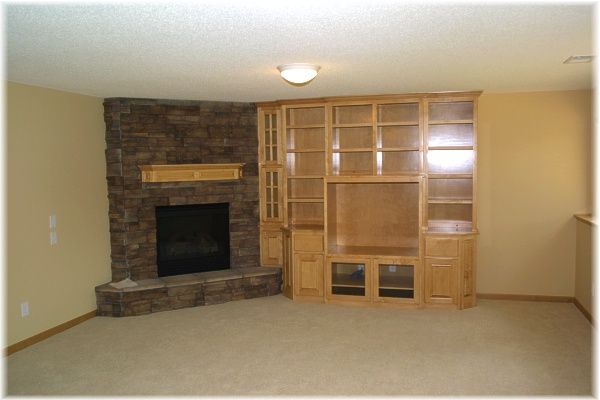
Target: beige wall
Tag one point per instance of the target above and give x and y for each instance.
(583, 265)
(55, 164)
(534, 173)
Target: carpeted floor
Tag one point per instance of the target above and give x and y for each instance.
(273, 346)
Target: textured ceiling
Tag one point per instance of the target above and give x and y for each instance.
(230, 50)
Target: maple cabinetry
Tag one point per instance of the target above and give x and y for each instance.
(375, 197)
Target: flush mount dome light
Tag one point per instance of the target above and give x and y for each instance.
(298, 73)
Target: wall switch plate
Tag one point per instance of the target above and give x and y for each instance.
(24, 309)
(53, 238)
(53, 221)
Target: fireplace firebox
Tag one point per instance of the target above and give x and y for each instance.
(192, 238)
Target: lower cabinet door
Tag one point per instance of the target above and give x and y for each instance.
(308, 274)
(349, 279)
(271, 249)
(440, 280)
(396, 280)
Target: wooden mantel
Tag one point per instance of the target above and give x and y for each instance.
(191, 172)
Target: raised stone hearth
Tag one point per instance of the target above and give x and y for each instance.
(173, 292)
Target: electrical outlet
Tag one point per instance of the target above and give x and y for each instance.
(25, 309)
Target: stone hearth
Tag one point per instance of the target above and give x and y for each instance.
(173, 292)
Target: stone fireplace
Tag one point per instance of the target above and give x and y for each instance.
(158, 132)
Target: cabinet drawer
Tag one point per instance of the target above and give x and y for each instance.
(438, 247)
(306, 242)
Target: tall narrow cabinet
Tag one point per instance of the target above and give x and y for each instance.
(371, 200)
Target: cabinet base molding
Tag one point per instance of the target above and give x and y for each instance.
(525, 297)
(48, 333)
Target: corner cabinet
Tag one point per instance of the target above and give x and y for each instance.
(270, 185)
(371, 199)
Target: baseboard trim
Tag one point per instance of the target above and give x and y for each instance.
(48, 333)
(585, 312)
(534, 297)
(525, 297)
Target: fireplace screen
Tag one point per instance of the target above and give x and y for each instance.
(192, 238)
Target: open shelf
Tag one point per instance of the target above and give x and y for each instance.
(450, 135)
(350, 138)
(442, 112)
(352, 163)
(398, 162)
(305, 117)
(450, 161)
(353, 115)
(305, 188)
(398, 136)
(305, 213)
(302, 139)
(304, 164)
(373, 218)
(399, 113)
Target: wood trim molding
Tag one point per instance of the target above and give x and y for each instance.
(366, 98)
(191, 172)
(525, 297)
(586, 218)
(533, 297)
(48, 333)
(585, 312)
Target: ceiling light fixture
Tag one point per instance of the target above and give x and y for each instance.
(299, 73)
(578, 60)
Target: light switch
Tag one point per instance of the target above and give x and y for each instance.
(53, 238)
(53, 221)
(24, 309)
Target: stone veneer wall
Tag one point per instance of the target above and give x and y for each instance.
(147, 131)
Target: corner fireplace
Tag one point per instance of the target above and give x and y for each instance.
(192, 238)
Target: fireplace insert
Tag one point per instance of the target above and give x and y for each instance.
(192, 238)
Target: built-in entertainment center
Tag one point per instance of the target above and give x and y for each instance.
(371, 199)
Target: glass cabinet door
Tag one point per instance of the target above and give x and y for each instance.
(396, 281)
(349, 279)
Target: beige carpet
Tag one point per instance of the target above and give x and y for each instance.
(272, 346)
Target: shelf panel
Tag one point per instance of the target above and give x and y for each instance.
(306, 200)
(347, 281)
(357, 125)
(398, 149)
(373, 250)
(450, 176)
(450, 201)
(451, 121)
(305, 150)
(305, 126)
(450, 147)
(407, 123)
(355, 150)
(396, 287)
